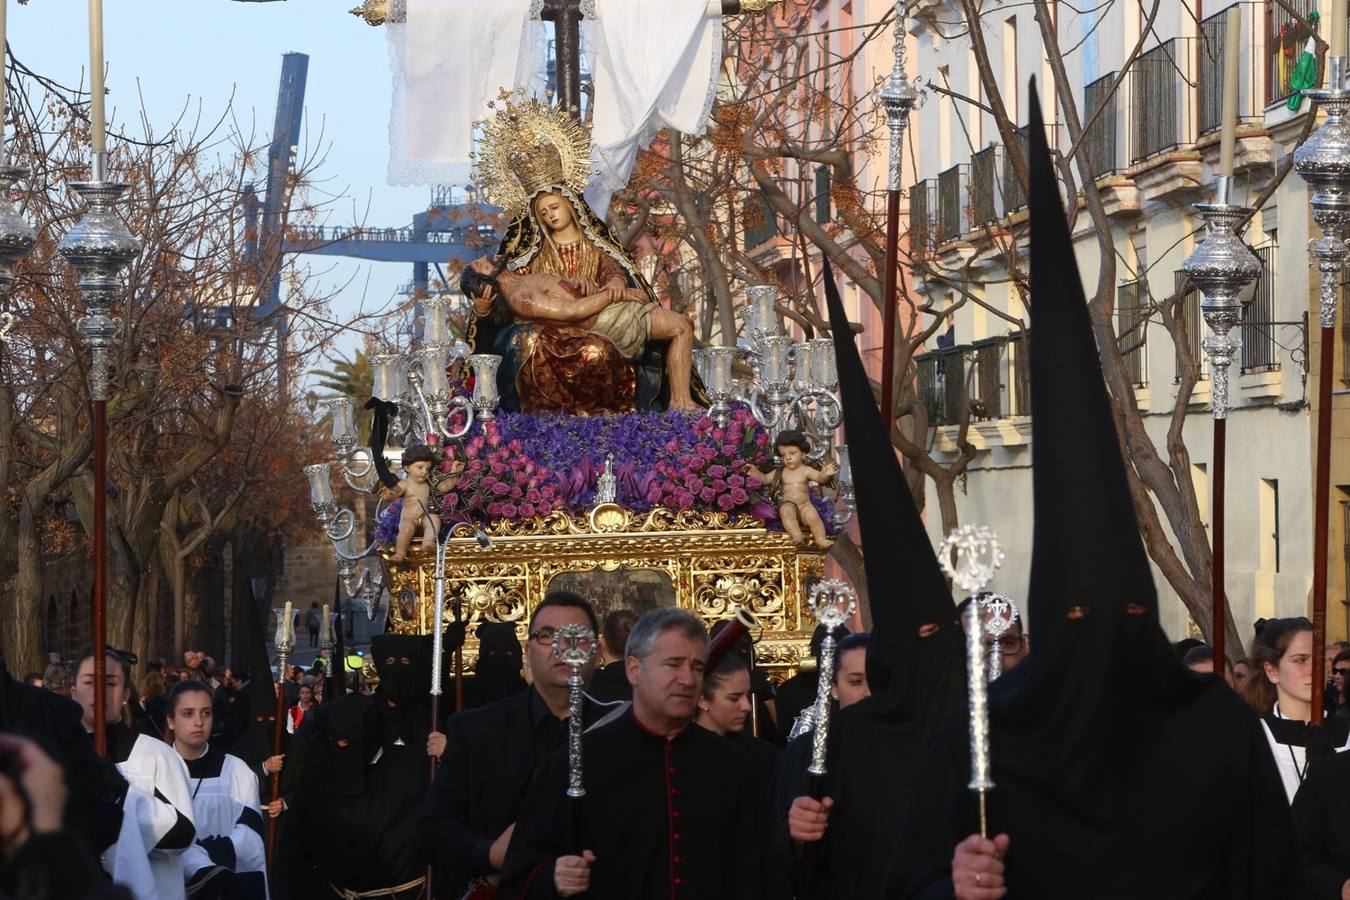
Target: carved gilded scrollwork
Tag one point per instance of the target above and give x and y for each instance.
(714, 562)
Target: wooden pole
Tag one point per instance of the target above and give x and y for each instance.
(889, 291)
(1219, 609)
(1321, 508)
(100, 610)
(277, 731)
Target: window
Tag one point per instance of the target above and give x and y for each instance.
(822, 194)
(1132, 329)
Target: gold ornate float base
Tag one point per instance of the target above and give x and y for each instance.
(713, 562)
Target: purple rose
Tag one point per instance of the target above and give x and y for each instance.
(509, 510)
(725, 502)
(707, 495)
(739, 496)
(717, 471)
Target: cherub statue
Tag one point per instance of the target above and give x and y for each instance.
(790, 488)
(418, 509)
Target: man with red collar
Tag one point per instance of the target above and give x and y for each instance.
(670, 810)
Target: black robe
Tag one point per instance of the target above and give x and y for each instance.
(1319, 812)
(1191, 807)
(93, 807)
(1118, 772)
(665, 817)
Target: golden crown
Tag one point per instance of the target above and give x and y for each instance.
(527, 146)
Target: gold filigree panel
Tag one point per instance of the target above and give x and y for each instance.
(714, 561)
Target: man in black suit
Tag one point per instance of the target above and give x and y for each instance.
(493, 753)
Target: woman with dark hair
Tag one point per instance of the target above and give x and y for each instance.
(224, 796)
(724, 708)
(1280, 692)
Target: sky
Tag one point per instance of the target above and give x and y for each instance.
(170, 53)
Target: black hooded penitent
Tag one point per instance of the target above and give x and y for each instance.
(878, 745)
(1118, 772)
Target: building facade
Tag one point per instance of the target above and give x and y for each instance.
(1150, 144)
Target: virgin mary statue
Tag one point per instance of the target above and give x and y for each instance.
(534, 163)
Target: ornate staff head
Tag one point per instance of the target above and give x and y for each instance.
(977, 556)
(833, 603)
(999, 613)
(574, 647)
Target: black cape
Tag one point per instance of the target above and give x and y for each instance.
(877, 746)
(1319, 819)
(1157, 783)
(666, 818)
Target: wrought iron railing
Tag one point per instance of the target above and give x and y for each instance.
(988, 379)
(1100, 142)
(1188, 311)
(983, 186)
(1156, 84)
(1259, 349)
(1014, 198)
(1132, 329)
(923, 209)
(1285, 38)
(951, 195)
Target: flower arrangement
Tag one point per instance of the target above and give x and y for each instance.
(521, 465)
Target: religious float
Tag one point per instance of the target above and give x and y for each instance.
(573, 438)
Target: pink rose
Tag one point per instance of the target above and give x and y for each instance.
(526, 509)
(736, 481)
(725, 502)
(708, 452)
(494, 509)
(533, 495)
(718, 435)
(509, 510)
(762, 439)
(717, 471)
(672, 446)
(515, 493)
(685, 500)
(694, 484)
(739, 496)
(697, 463)
(500, 488)
(494, 439)
(497, 468)
(719, 485)
(707, 495)
(654, 493)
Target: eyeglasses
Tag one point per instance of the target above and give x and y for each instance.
(544, 636)
(1010, 643)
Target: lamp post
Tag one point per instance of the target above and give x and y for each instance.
(1323, 161)
(1221, 266)
(898, 97)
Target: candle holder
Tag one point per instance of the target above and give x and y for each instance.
(770, 398)
(845, 495)
(1323, 160)
(719, 381)
(485, 397)
(762, 300)
(99, 246)
(17, 237)
(283, 639)
(1221, 266)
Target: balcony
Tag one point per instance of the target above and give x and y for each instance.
(952, 186)
(1284, 43)
(1260, 353)
(1100, 140)
(987, 381)
(1158, 89)
(1014, 198)
(1132, 302)
(923, 212)
(983, 182)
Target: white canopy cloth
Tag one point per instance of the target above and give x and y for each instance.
(656, 64)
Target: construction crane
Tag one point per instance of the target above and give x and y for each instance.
(445, 231)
